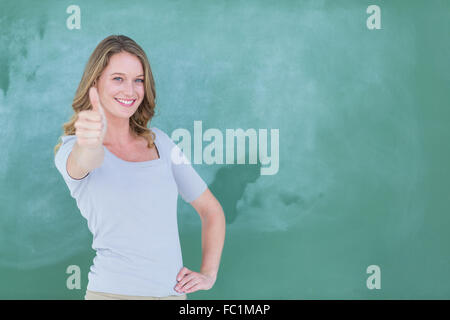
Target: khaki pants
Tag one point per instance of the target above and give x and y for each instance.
(94, 295)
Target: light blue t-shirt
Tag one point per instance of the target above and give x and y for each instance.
(131, 210)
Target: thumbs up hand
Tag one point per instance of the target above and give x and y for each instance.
(91, 125)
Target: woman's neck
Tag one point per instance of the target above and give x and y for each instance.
(118, 133)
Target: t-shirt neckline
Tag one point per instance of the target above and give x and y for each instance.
(146, 163)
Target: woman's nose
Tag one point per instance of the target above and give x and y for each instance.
(128, 89)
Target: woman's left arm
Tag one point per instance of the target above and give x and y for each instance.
(213, 237)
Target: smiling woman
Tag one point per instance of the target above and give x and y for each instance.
(121, 174)
(118, 68)
(124, 88)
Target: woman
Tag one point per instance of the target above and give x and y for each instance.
(126, 184)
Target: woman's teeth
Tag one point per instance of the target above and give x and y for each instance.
(125, 102)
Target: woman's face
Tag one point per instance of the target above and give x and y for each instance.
(121, 85)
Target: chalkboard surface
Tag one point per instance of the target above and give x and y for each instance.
(352, 97)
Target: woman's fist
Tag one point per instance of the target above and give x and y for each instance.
(90, 127)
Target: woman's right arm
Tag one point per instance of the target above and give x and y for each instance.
(90, 129)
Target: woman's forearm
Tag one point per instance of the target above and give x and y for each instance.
(213, 238)
(83, 160)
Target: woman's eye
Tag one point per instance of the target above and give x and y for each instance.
(120, 79)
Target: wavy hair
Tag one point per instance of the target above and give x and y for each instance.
(98, 61)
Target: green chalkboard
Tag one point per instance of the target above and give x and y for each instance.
(349, 98)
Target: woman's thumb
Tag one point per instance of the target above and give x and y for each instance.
(96, 105)
(95, 100)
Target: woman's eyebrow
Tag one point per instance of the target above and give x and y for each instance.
(141, 75)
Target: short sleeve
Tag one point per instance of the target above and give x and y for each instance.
(76, 186)
(190, 184)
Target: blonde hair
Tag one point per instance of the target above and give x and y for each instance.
(98, 61)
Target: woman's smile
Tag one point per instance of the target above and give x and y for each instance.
(125, 102)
